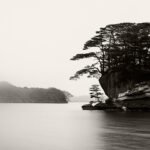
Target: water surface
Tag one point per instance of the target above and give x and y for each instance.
(68, 127)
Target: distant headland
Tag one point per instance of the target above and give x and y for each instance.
(12, 94)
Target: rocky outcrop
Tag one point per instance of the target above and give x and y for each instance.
(129, 87)
(103, 106)
(115, 82)
(136, 99)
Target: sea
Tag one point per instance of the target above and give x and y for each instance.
(68, 127)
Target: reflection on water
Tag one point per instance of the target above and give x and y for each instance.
(67, 127)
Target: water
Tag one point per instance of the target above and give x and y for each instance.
(67, 127)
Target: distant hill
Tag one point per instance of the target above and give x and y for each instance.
(82, 98)
(12, 94)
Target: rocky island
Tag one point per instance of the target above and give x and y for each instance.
(121, 63)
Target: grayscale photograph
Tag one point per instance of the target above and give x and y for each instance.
(74, 75)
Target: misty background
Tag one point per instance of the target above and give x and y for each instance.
(38, 38)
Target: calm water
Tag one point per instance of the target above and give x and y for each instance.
(67, 127)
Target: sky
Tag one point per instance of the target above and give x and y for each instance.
(38, 38)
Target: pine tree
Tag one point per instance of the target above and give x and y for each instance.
(95, 92)
(117, 47)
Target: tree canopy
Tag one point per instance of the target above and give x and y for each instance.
(116, 47)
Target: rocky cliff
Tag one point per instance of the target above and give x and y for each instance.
(115, 82)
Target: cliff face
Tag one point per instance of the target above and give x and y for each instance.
(117, 82)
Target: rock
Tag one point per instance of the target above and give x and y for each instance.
(88, 107)
(115, 82)
(102, 106)
(130, 86)
(137, 99)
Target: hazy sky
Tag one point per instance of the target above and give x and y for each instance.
(38, 37)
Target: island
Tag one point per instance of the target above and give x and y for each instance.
(13, 94)
(121, 63)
